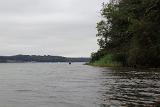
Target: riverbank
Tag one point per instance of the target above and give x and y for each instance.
(122, 67)
(106, 61)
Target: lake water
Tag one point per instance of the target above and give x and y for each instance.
(76, 85)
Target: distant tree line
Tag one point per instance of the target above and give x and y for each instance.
(38, 58)
(130, 32)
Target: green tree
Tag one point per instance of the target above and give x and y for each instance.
(130, 31)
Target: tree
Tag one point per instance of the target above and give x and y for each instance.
(130, 31)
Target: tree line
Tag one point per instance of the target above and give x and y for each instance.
(39, 58)
(130, 32)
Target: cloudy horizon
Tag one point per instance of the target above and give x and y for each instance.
(49, 27)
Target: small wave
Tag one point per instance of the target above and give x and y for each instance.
(24, 90)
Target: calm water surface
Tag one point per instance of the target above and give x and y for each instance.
(76, 85)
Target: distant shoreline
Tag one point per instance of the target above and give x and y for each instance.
(39, 58)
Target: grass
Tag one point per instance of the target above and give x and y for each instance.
(106, 61)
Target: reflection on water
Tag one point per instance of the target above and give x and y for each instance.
(76, 85)
(128, 87)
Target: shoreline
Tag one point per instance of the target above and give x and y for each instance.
(121, 67)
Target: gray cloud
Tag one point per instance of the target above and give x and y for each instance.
(55, 27)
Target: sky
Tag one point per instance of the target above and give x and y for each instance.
(49, 27)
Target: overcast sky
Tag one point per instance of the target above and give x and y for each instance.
(49, 27)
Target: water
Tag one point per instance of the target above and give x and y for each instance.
(76, 85)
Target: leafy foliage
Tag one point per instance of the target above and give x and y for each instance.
(130, 31)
